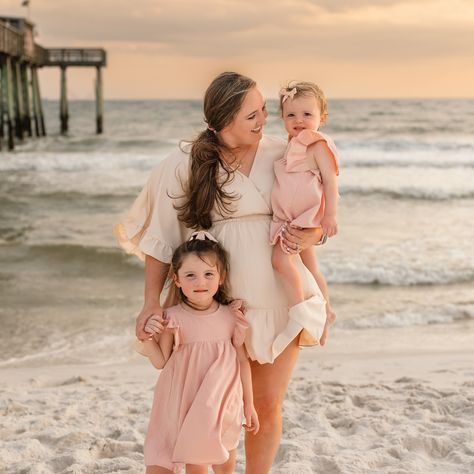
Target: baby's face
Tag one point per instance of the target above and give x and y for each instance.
(301, 113)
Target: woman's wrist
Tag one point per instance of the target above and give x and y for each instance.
(152, 303)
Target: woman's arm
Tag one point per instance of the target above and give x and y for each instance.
(251, 417)
(155, 277)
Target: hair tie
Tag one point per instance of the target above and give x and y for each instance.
(213, 130)
(286, 94)
(202, 235)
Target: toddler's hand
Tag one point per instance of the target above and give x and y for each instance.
(251, 419)
(156, 324)
(147, 311)
(329, 225)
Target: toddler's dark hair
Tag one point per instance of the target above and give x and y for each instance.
(205, 249)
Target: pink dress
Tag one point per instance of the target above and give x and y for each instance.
(297, 194)
(196, 417)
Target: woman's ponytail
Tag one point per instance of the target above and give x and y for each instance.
(208, 172)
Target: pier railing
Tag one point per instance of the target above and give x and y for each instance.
(75, 57)
(11, 40)
(39, 55)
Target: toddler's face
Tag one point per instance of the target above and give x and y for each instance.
(301, 113)
(199, 279)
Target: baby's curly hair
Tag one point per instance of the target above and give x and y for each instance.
(304, 88)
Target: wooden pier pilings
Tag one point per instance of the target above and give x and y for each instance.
(21, 108)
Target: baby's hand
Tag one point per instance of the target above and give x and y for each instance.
(156, 324)
(251, 419)
(329, 225)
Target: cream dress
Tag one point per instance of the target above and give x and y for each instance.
(152, 227)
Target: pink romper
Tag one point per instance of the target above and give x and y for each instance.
(196, 417)
(297, 194)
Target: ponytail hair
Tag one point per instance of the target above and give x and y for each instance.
(209, 173)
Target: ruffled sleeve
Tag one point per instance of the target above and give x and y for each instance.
(151, 226)
(296, 153)
(173, 326)
(241, 324)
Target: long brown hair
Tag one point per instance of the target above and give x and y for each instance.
(205, 249)
(205, 186)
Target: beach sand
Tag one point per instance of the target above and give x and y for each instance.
(352, 407)
(391, 393)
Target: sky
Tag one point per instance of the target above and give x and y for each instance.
(173, 48)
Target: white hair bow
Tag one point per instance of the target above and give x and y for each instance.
(285, 94)
(202, 235)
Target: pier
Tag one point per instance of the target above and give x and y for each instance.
(21, 109)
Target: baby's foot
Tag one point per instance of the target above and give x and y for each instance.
(330, 318)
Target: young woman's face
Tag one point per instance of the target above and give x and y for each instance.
(199, 279)
(301, 113)
(246, 128)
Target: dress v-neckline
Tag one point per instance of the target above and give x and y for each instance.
(253, 163)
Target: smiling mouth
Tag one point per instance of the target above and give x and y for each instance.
(256, 130)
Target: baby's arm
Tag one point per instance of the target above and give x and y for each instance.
(251, 417)
(327, 167)
(159, 347)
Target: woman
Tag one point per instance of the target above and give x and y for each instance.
(222, 182)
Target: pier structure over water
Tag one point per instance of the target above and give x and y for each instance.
(21, 110)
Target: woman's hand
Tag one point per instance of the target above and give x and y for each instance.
(147, 311)
(156, 324)
(296, 239)
(251, 419)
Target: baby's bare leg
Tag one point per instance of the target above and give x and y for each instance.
(308, 256)
(228, 467)
(285, 266)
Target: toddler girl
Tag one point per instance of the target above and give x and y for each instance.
(197, 408)
(305, 192)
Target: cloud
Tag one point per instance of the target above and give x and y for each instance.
(270, 36)
(349, 30)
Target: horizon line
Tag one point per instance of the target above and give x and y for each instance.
(116, 99)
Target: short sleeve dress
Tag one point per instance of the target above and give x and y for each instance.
(196, 416)
(298, 195)
(152, 227)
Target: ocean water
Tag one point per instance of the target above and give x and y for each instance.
(404, 256)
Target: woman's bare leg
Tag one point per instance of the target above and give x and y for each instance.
(270, 382)
(228, 467)
(157, 470)
(285, 266)
(196, 469)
